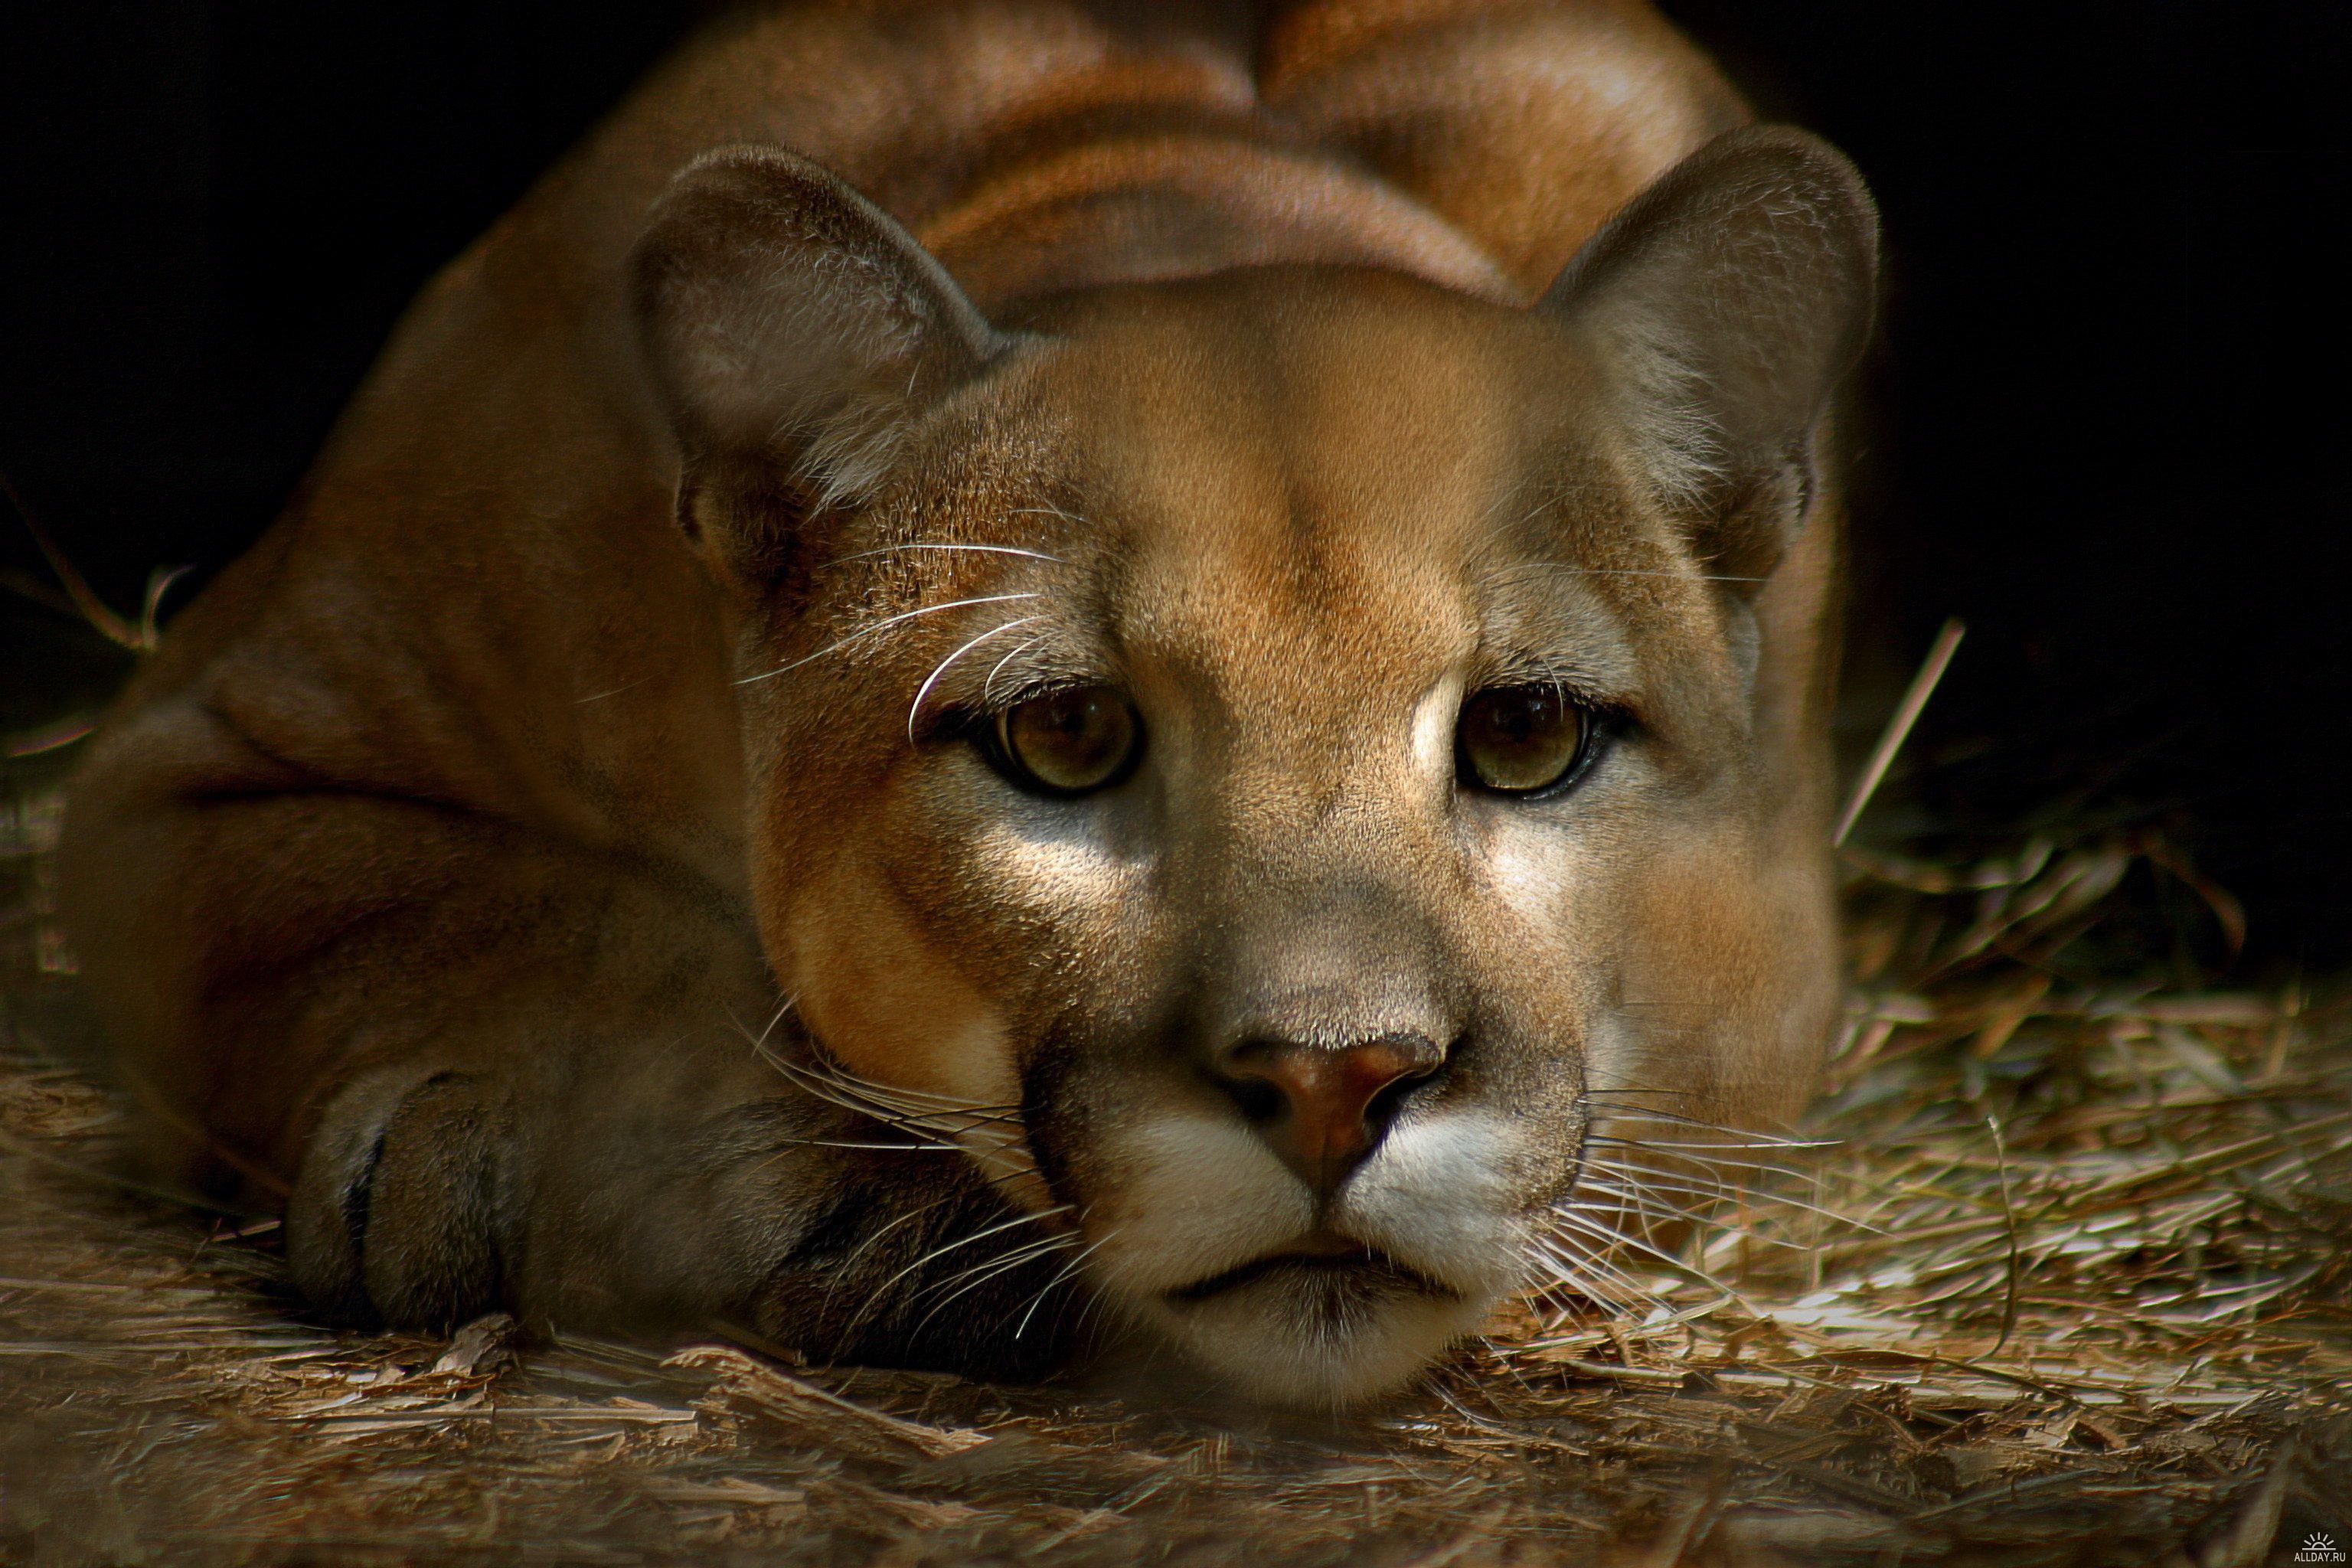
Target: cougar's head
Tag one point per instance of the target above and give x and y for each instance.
(1271, 761)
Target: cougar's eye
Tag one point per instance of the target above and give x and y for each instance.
(1520, 739)
(1069, 743)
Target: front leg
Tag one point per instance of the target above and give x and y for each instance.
(676, 1182)
(499, 1071)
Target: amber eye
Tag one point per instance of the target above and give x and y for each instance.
(1520, 739)
(1069, 743)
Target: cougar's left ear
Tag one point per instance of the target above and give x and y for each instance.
(1725, 303)
(794, 330)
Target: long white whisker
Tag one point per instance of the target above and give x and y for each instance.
(847, 1097)
(925, 690)
(852, 1095)
(991, 1269)
(1584, 1269)
(883, 625)
(1068, 1271)
(911, 1100)
(1719, 1143)
(1650, 1178)
(1030, 1217)
(881, 1094)
(1689, 1154)
(1736, 1137)
(1561, 1272)
(981, 549)
(988, 686)
(840, 1271)
(988, 1268)
(1648, 1205)
(783, 1008)
(1731, 1194)
(1588, 1275)
(1618, 1238)
(1652, 1211)
(1597, 1263)
(1048, 509)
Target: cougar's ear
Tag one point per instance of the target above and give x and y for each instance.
(794, 330)
(1725, 303)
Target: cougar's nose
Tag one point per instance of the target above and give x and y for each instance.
(1323, 1107)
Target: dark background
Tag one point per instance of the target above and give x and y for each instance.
(2107, 420)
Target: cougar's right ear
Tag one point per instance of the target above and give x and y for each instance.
(1725, 302)
(794, 330)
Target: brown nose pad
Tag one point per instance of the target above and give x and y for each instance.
(1320, 1106)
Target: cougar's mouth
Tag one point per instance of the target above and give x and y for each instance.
(1320, 1255)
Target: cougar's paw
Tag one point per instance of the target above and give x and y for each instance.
(396, 1217)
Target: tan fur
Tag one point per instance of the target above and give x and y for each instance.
(451, 857)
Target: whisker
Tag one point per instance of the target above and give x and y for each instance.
(615, 691)
(854, 1098)
(1736, 1194)
(1068, 1271)
(1708, 1227)
(1099, 1301)
(1616, 1141)
(913, 1100)
(1591, 1094)
(1751, 1137)
(1049, 509)
(923, 1116)
(1584, 1223)
(883, 625)
(991, 1269)
(1698, 1184)
(940, 1251)
(1653, 1205)
(782, 1007)
(1589, 1276)
(1570, 1273)
(1692, 1153)
(840, 1271)
(975, 1274)
(988, 686)
(925, 690)
(980, 548)
(1589, 1268)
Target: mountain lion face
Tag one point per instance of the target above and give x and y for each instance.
(1269, 766)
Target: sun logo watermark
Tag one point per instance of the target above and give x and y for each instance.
(2319, 1547)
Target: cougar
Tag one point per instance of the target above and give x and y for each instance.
(1027, 682)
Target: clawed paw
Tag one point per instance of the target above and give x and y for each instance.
(397, 1215)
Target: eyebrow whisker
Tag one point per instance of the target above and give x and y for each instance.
(980, 548)
(925, 690)
(1049, 509)
(989, 686)
(885, 625)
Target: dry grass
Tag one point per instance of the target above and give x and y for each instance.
(2069, 1287)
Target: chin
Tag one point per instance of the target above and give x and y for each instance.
(1313, 1333)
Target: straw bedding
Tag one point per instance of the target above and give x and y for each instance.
(2062, 1280)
